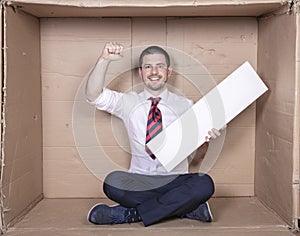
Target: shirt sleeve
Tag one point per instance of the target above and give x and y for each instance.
(109, 101)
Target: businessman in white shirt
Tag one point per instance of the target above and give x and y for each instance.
(147, 192)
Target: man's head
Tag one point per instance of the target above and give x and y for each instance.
(154, 50)
(154, 69)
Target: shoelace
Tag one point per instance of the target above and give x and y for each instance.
(130, 215)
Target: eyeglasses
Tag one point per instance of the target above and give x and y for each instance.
(159, 66)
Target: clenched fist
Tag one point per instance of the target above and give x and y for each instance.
(112, 51)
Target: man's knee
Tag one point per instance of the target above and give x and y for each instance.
(205, 187)
(115, 178)
(111, 184)
(210, 184)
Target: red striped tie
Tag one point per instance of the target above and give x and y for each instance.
(154, 124)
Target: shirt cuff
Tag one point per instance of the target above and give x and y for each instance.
(97, 100)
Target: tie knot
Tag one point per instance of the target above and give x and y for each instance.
(155, 101)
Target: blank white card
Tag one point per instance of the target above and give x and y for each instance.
(218, 107)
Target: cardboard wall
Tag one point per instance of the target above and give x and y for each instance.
(70, 47)
(22, 175)
(275, 113)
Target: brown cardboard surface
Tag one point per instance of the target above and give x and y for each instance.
(22, 174)
(215, 42)
(274, 129)
(296, 139)
(232, 216)
(70, 47)
(148, 8)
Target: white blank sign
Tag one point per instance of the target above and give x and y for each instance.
(218, 107)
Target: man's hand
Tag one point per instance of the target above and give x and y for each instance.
(214, 133)
(201, 151)
(112, 51)
(94, 86)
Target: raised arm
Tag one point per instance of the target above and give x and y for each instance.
(112, 51)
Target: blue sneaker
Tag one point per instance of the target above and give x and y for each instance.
(202, 213)
(101, 214)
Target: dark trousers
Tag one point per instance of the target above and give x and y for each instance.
(159, 197)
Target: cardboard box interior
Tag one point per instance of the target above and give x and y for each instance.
(48, 52)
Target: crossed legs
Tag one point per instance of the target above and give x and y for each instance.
(159, 197)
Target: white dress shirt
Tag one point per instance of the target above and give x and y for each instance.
(133, 109)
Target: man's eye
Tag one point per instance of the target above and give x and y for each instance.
(160, 66)
(147, 66)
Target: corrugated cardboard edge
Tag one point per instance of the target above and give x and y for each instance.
(154, 3)
(106, 8)
(296, 138)
(2, 109)
(1, 78)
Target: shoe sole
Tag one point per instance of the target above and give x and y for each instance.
(211, 216)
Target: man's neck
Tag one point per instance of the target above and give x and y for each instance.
(156, 93)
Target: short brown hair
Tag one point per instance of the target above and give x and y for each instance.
(154, 50)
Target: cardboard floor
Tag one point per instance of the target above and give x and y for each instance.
(232, 216)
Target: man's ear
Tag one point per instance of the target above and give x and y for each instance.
(140, 73)
(170, 70)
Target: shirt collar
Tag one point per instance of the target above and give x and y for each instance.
(164, 95)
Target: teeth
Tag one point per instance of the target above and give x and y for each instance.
(154, 78)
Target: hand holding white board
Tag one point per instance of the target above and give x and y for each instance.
(218, 107)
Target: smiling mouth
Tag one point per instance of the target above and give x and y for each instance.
(154, 78)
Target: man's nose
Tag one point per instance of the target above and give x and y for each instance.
(154, 69)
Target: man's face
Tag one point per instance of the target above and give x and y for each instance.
(154, 72)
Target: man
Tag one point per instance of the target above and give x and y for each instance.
(148, 192)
